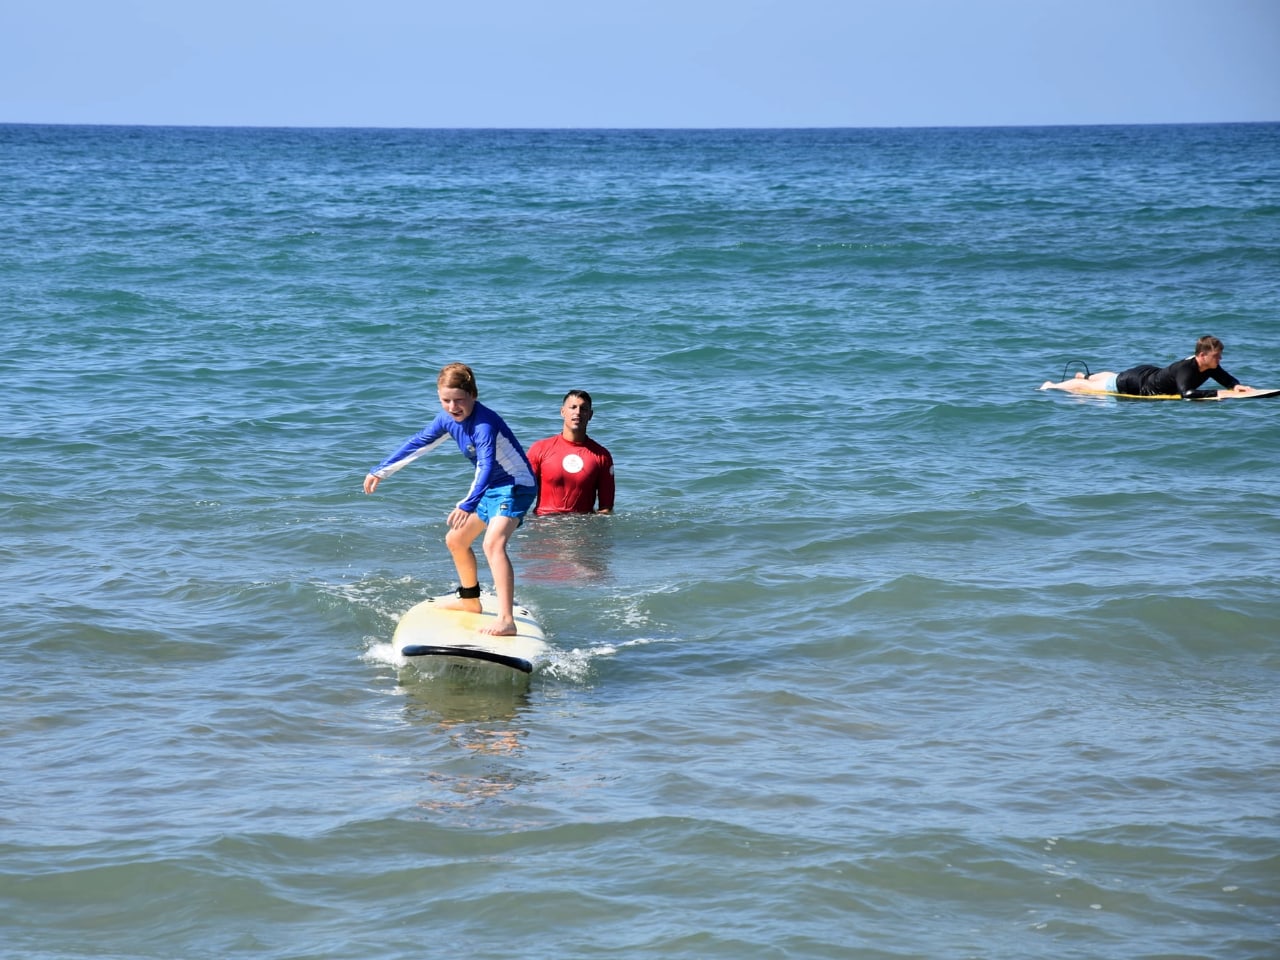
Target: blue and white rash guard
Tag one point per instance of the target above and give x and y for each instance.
(484, 438)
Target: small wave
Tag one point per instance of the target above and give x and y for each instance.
(576, 665)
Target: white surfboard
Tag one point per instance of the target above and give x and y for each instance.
(1250, 394)
(432, 636)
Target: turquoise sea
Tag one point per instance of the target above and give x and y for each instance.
(885, 654)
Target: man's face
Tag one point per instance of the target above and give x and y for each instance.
(576, 413)
(1209, 361)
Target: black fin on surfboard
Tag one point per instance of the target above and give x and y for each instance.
(467, 653)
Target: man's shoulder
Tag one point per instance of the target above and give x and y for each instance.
(548, 449)
(598, 448)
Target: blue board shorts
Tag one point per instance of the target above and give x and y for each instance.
(1110, 384)
(508, 501)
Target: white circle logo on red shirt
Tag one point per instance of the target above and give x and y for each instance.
(572, 463)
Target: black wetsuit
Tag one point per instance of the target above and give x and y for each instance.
(1181, 378)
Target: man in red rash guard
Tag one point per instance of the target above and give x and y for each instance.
(572, 470)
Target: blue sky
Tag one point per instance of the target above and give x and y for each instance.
(638, 63)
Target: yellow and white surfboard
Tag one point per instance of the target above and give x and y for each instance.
(435, 637)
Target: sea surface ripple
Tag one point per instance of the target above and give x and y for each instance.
(885, 654)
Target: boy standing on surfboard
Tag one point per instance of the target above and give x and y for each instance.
(501, 493)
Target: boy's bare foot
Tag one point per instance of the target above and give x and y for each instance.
(467, 604)
(499, 628)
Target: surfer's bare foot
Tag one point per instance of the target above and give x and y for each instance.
(467, 604)
(1047, 385)
(499, 628)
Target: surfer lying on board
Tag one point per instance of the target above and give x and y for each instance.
(501, 493)
(1181, 378)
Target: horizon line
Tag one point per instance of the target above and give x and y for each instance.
(633, 129)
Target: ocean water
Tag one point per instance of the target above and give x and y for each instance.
(884, 654)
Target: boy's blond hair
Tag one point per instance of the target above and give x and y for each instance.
(458, 376)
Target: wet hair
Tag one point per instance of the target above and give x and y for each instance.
(580, 394)
(458, 376)
(1208, 345)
